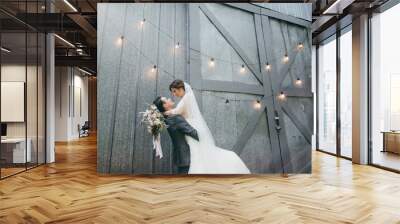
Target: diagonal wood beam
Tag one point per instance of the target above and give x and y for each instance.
(249, 7)
(304, 130)
(228, 37)
(248, 129)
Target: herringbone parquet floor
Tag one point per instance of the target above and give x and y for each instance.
(70, 191)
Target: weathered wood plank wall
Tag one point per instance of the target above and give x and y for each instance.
(227, 93)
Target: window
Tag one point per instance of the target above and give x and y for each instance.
(327, 96)
(385, 89)
(346, 93)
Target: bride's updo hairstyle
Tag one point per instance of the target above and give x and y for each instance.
(177, 84)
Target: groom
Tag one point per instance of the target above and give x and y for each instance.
(177, 129)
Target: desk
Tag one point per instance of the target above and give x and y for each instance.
(391, 142)
(16, 147)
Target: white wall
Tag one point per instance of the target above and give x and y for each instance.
(70, 83)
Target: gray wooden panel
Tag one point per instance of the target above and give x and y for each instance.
(108, 67)
(277, 47)
(127, 84)
(146, 93)
(213, 45)
(181, 36)
(233, 87)
(228, 37)
(240, 25)
(227, 64)
(194, 58)
(166, 51)
(248, 131)
(257, 154)
(213, 103)
(299, 10)
(276, 163)
(300, 149)
(119, 160)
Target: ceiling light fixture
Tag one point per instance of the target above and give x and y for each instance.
(337, 7)
(84, 71)
(64, 40)
(5, 50)
(70, 5)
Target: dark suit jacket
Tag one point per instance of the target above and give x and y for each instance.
(177, 129)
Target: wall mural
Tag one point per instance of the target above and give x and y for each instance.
(243, 105)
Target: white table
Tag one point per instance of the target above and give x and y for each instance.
(19, 154)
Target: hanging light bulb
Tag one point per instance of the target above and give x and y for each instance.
(177, 45)
(154, 69)
(282, 96)
(120, 40)
(300, 46)
(257, 104)
(226, 101)
(242, 69)
(212, 62)
(286, 58)
(268, 66)
(298, 82)
(142, 22)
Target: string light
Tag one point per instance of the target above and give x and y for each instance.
(154, 69)
(212, 62)
(282, 96)
(120, 40)
(212, 59)
(257, 105)
(286, 58)
(298, 82)
(300, 46)
(268, 66)
(243, 69)
(142, 22)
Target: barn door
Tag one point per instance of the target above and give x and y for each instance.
(251, 68)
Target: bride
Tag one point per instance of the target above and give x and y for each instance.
(206, 157)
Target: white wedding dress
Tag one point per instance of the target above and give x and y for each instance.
(205, 156)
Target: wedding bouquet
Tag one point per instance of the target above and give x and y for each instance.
(155, 124)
